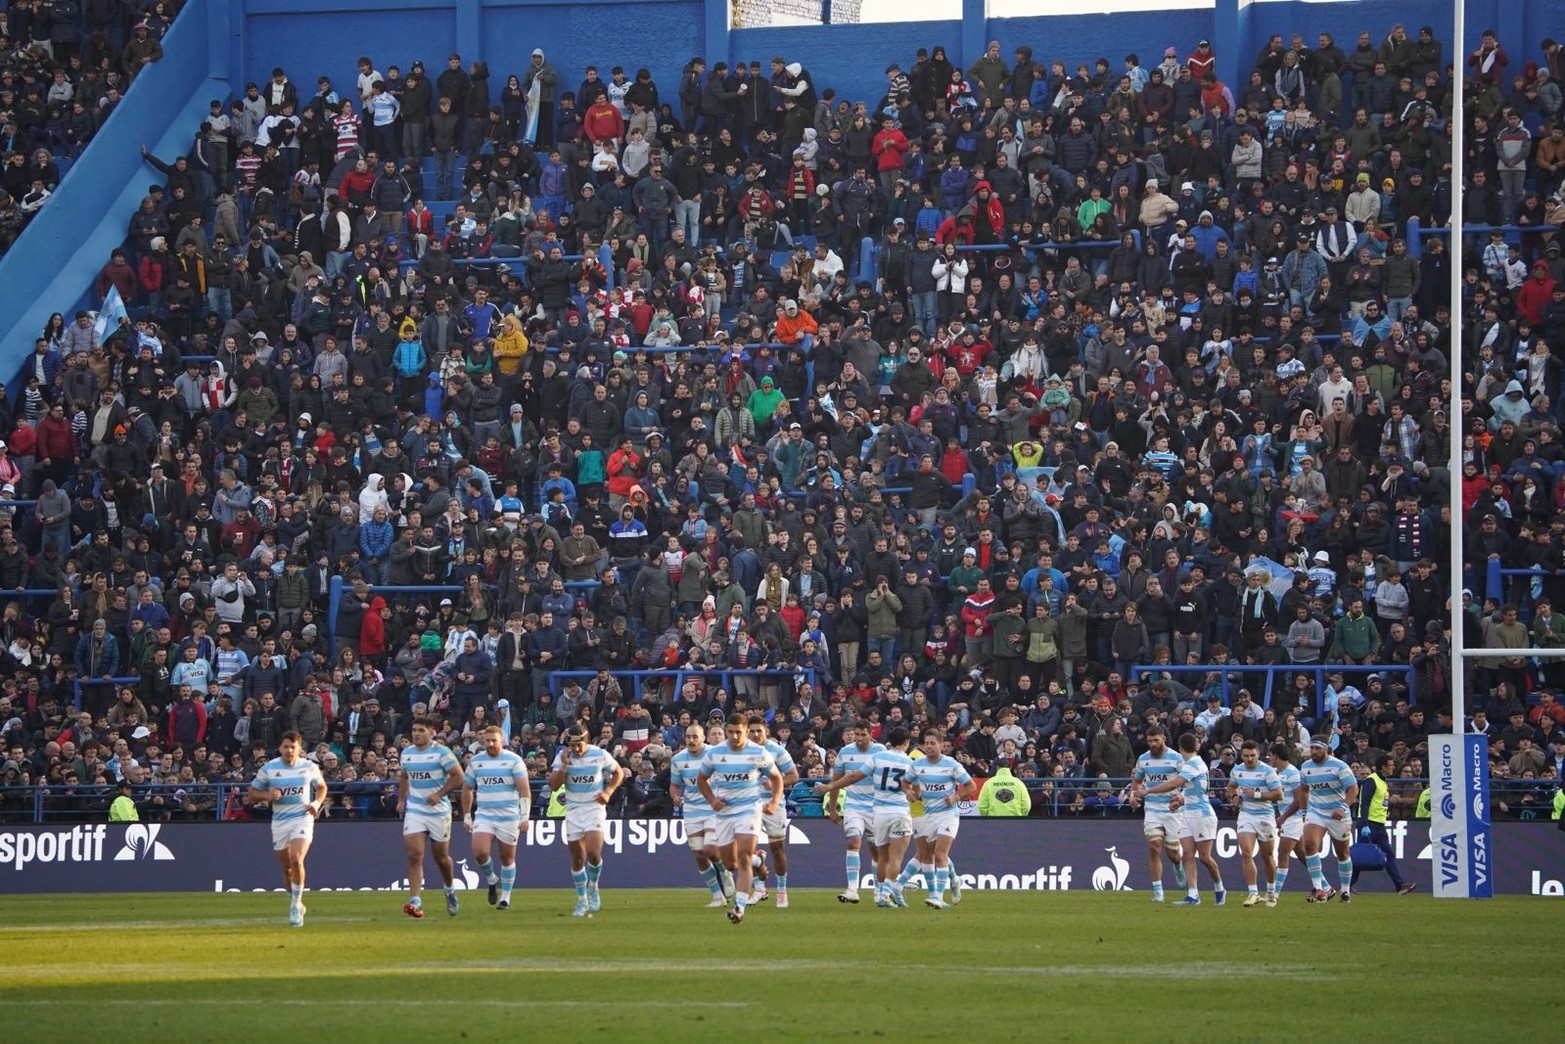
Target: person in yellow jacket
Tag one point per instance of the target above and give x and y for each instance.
(510, 345)
(556, 809)
(123, 808)
(1004, 795)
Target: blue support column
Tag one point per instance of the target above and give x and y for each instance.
(716, 42)
(469, 33)
(334, 598)
(1230, 36)
(975, 32)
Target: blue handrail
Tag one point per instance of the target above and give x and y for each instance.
(1319, 670)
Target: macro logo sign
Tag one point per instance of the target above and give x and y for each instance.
(141, 842)
(1459, 819)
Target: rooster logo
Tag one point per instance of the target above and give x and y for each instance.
(797, 836)
(1111, 878)
(141, 842)
(465, 877)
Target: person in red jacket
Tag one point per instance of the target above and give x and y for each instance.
(975, 620)
(957, 229)
(603, 122)
(58, 453)
(1535, 294)
(372, 633)
(1202, 60)
(186, 719)
(988, 214)
(889, 146)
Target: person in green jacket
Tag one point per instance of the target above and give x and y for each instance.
(1004, 795)
(963, 580)
(123, 808)
(1355, 639)
(764, 402)
(1010, 643)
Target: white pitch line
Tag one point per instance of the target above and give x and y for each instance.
(137, 926)
(1292, 972)
(394, 1002)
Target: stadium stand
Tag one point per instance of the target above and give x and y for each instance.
(1042, 396)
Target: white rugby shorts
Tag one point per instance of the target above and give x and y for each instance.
(699, 831)
(857, 824)
(890, 824)
(933, 827)
(1336, 829)
(581, 820)
(1262, 824)
(729, 828)
(1167, 825)
(287, 831)
(438, 827)
(1201, 826)
(505, 831)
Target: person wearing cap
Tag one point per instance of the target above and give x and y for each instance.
(123, 808)
(1326, 795)
(1302, 272)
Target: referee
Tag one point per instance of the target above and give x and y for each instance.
(1374, 797)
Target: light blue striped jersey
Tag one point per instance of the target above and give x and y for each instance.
(781, 756)
(738, 777)
(426, 771)
(888, 770)
(683, 772)
(1290, 779)
(1152, 771)
(1262, 777)
(860, 796)
(296, 781)
(1197, 779)
(939, 782)
(1328, 782)
(587, 776)
(494, 780)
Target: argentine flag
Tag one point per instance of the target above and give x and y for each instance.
(110, 314)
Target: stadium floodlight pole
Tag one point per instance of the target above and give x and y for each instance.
(1455, 421)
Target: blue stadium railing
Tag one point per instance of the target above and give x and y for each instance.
(1417, 233)
(76, 686)
(1317, 670)
(1053, 797)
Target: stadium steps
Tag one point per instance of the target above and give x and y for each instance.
(56, 258)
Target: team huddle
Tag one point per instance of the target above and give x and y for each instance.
(1181, 824)
(729, 785)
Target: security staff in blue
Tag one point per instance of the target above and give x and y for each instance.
(1374, 801)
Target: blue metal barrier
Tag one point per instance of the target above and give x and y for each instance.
(1417, 233)
(334, 599)
(76, 687)
(1494, 584)
(1062, 791)
(680, 675)
(1318, 670)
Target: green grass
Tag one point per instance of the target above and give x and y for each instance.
(656, 964)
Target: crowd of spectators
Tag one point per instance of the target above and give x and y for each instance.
(64, 67)
(1134, 344)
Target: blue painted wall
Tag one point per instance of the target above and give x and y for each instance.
(852, 59)
(70, 240)
(659, 36)
(332, 42)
